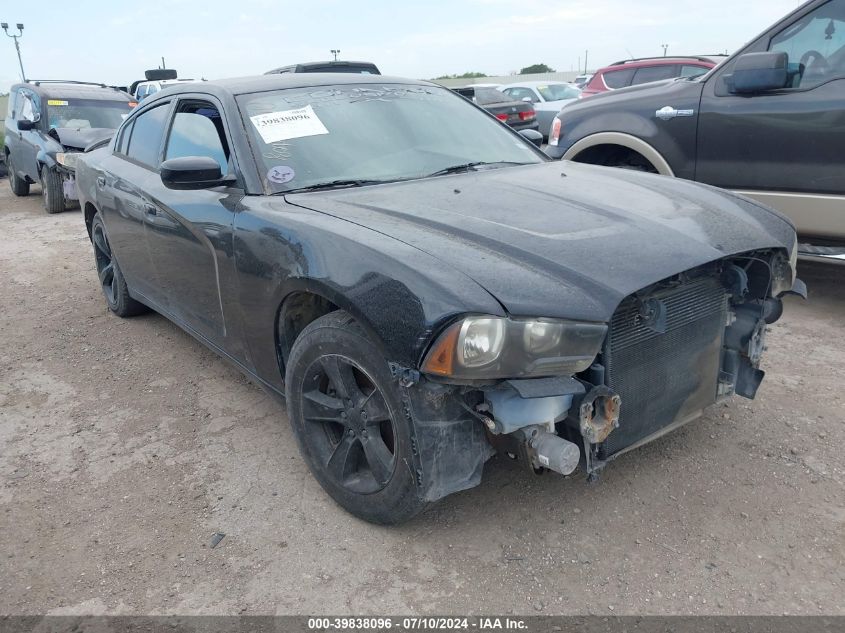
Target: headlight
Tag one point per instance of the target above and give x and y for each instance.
(485, 347)
(68, 159)
(480, 342)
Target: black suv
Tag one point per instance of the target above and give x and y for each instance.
(47, 123)
(358, 68)
(768, 123)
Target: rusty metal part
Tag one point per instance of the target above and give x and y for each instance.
(598, 414)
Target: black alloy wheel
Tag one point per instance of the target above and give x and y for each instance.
(348, 424)
(346, 410)
(110, 276)
(104, 262)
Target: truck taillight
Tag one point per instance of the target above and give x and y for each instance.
(528, 115)
(554, 135)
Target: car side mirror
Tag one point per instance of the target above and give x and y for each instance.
(192, 172)
(533, 136)
(759, 72)
(25, 124)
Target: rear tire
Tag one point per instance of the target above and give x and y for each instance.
(346, 411)
(20, 187)
(51, 190)
(111, 278)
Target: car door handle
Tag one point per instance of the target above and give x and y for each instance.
(150, 209)
(101, 181)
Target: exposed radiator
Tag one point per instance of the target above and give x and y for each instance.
(665, 377)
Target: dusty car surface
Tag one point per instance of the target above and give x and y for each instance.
(47, 124)
(424, 287)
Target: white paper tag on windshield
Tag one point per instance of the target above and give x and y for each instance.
(280, 126)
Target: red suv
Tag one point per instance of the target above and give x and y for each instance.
(633, 72)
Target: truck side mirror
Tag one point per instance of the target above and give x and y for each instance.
(759, 72)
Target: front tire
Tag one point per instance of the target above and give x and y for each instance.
(111, 278)
(346, 412)
(51, 190)
(20, 187)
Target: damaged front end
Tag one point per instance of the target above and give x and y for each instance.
(75, 142)
(669, 351)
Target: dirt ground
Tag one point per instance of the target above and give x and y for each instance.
(125, 445)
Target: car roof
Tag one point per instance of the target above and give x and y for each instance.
(263, 83)
(659, 61)
(74, 90)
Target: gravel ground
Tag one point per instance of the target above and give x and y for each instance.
(125, 445)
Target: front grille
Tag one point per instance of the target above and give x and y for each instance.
(665, 377)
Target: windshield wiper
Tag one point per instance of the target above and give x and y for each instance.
(335, 184)
(457, 169)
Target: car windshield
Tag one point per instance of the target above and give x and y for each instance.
(86, 113)
(361, 133)
(558, 92)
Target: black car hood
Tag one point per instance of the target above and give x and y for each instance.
(560, 240)
(80, 138)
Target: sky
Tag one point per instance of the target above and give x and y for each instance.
(114, 42)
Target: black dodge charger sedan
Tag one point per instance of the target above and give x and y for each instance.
(422, 286)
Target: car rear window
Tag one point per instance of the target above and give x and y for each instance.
(615, 79)
(147, 133)
(486, 96)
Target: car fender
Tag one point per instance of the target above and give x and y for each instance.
(45, 160)
(625, 140)
(401, 295)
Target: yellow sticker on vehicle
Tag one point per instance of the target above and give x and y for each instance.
(56, 102)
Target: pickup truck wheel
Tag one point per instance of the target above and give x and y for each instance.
(20, 187)
(111, 279)
(345, 409)
(51, 190)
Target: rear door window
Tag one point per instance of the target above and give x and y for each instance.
(615, 79)
(648, 74)
(123, 140)
(147, 134)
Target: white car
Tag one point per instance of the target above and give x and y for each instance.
(146, 88)
(548, 98)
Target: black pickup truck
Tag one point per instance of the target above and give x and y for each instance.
(768, 123)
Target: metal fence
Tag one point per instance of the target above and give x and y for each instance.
(509, 79)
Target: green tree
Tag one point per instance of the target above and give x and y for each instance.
(469, 75)
(536, 69)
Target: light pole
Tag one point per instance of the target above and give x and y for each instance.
(665, 48)
(5, 28)
(335, 52)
